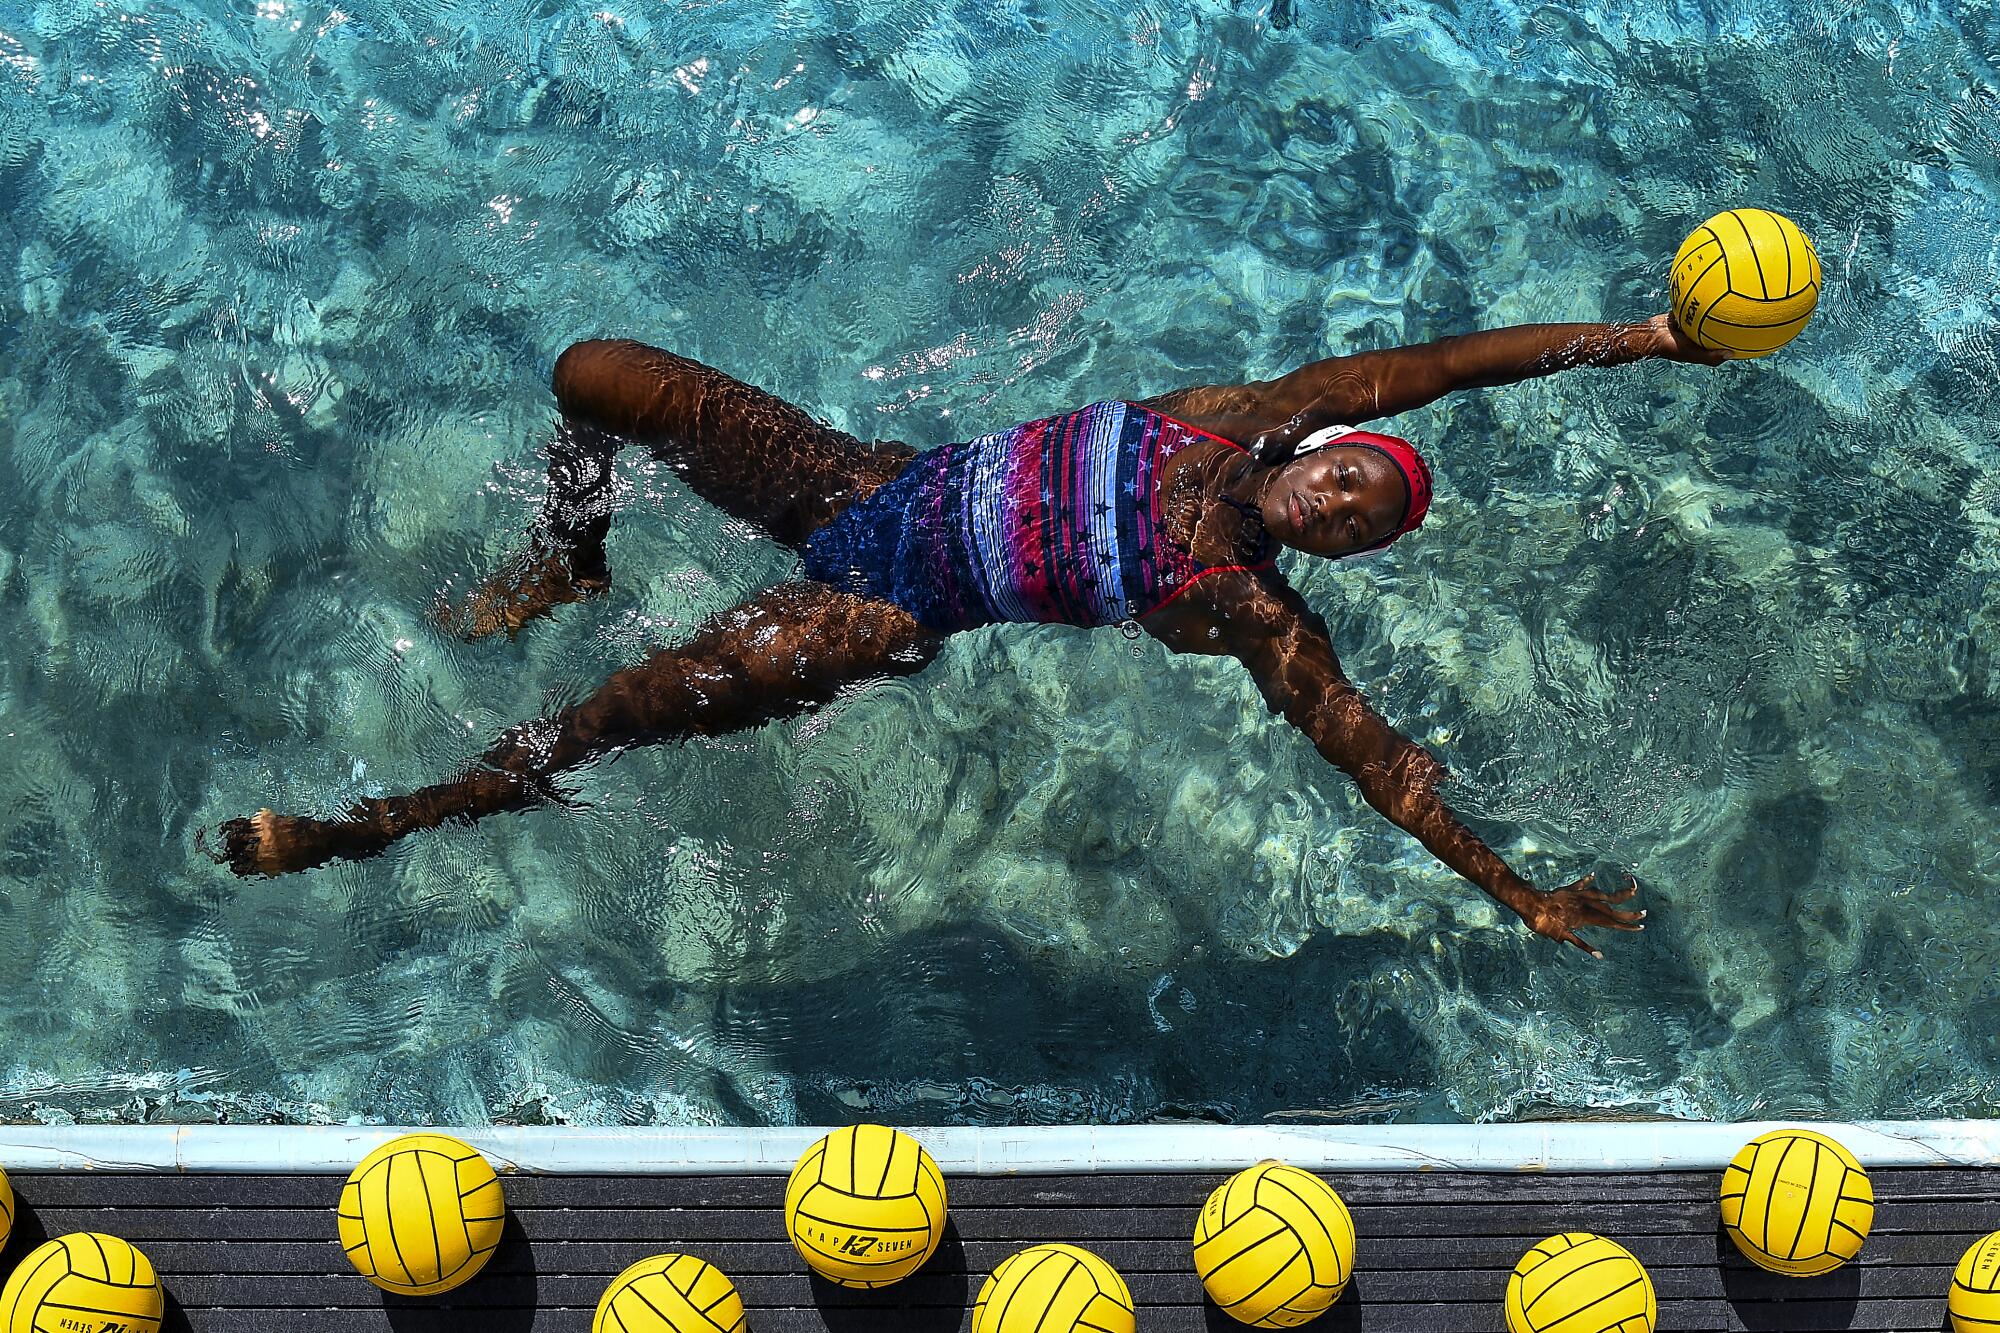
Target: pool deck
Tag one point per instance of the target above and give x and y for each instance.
(256, 1253)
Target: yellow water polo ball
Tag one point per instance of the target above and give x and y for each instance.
(865, 1206)
(1274, 1246)
(6, 1210)
(1745, 282)
(1054, 1289)
(1580, 1283)
(1796, 1202)
(83, 1281)
(670, 1293)
(1975, 1288)
(421, 1214)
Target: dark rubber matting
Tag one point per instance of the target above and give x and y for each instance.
(257, 1254)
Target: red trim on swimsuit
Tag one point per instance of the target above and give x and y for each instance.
(1192, 430)
(1260, 566)
(1201, 574)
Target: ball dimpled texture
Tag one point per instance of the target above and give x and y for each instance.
(1745, 282)
(670, 1293)
(865, 1206)
(1054, 1289)
(1274, 1246)
(1580, 1283)
(83, 1281)
(1796, 1202)
(1974, 1301)
(421, 1215)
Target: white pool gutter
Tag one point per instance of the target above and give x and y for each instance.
(1542, 1146)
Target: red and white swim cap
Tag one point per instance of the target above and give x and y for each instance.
(1416, 472)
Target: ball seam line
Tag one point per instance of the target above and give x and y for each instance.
(1551, 1288)
(1751, 243)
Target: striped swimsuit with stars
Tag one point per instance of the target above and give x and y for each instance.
(1057, 521)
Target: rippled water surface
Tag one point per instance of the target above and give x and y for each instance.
(286, 284)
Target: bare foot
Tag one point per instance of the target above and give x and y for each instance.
(529, 588)
(268, 843)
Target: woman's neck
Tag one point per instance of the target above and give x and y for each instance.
(1225, 523)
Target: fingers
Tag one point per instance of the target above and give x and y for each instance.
(1620, 919)
(1600, 912)
(1597, 906)
(1560, 932)
(1584, 904)
(1569, 937)
(1594, 915)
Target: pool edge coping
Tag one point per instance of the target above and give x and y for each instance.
(1539, 1146)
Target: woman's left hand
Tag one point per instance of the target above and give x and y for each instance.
(1671, 343)
(1559, 914)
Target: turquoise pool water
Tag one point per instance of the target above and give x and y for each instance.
(286, 284)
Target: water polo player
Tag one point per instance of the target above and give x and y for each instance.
(1163, 511)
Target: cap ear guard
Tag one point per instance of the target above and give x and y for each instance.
(1324, 438)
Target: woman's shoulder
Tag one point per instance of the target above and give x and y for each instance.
(1207, 429)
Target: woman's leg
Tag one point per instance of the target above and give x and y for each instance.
(790, 650)
(565, 560)
(745, 451)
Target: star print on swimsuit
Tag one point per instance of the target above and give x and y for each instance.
(1061, 520)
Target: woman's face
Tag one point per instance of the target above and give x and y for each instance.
(1335, 501)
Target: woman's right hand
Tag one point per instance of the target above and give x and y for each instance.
(1558, 915)
(1669, 342)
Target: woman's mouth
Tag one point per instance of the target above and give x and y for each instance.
(1298, 513)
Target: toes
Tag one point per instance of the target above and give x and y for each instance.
(255, 846)
(224, 839)
(239, 843)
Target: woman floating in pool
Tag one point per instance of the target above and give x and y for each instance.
(1164, 511)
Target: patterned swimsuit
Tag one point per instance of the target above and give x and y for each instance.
(1057, 521)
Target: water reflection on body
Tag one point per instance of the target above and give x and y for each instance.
(1161, 511)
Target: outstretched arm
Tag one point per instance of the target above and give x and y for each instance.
(1265, 623)
(1347, 390)
(1270, 417)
